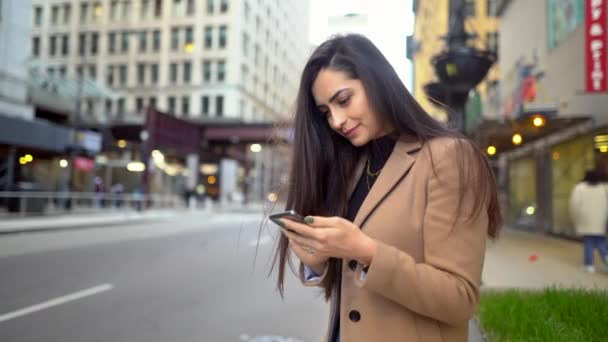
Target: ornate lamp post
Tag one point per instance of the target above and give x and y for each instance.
(459, 67)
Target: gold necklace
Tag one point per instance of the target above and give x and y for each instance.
(369, 173)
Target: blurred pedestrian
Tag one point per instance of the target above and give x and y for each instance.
(589, 212)
(402, 204)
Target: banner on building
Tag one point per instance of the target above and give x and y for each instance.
(595, 46)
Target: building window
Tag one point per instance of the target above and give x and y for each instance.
(112, 42)
(469, 8)
(158, 8)
(122, 75)
(97, 12)
(189, 35)
(82, 44)
(154, 73)
(206, 71)
(52, 45)
(178, 8)
(208, 37)
(190, 9)
(173, 73)
(139, 105)
(187, 72)
(125, 42)
(205, 105)
(221, 71)
(156, 40)
(210, 6)
(246, 11)
(80, 71)
(171, 105)
(141, 73)
(219, 106)
(62, 70)
(175, 39)
(38, 16)
(35, 46)
(145, 9)
(94, 43)
(223, 38)
(84, 12)
(54, 15)
(143, 41)
(223, 6)
(185, 105)
(126, 10)
(110, 75)
(114, 10)
(245, 44)
(50, 71)
(108, 107)
(67, 13)
(65, 45)
(152, 102)
(90, 107)
(121, 107)
(93, 72)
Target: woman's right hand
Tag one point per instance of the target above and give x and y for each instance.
(316, 261)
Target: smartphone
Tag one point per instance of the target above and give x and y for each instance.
(290, 215)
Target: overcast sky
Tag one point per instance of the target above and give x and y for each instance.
(389, 23)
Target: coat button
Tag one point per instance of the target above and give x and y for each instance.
(354, 316)
(352, 265)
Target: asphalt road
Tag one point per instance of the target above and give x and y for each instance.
(187, 278)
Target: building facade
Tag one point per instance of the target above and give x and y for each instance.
(547, 70)
(192, 58)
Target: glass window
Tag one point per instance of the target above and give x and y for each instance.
(158, 8)
(146, 9)
(210, 6)
(223, 38)
(123, 74)
(171, 105)
(206, 71)
(173, 73)
(219, 106)
(110, 75)
(208, 37)
(62, 71)
(54, 15)
(80, 71)
(126, 10)
(178, 8)
(108, 107)
(492, 42)
(38, 16)
(189, 35)
(84, 12)
(221, 71)
(114, 10)
(93, 71)
(112, 42)
(125, 42)
(35, 46)
(185, 105)
(223, 6)
(94, 43)
(97, 12)
(205, 105)
(469, 8)
(187, 72)
(141, 73)
(143, 41)
(67, 13)
(65, 45)
(139, 104)
(175, 39)
(245, 44)
(156, 40)
(121, 107)
(154, 73)
(52, 45)
(152, 102)
(190, 9)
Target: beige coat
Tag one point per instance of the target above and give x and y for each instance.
(423, 283)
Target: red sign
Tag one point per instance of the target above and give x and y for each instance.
(84, 164)
(596, 25)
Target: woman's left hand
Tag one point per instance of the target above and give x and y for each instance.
(332, 236)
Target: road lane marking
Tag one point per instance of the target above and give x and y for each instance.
(56, 301)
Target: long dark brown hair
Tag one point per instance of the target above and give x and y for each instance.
(323, 161)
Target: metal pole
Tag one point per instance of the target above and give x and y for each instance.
(10, 168)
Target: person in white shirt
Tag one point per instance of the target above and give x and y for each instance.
(589, 212)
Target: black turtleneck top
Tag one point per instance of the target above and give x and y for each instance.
(379, 151)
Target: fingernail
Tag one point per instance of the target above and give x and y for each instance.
(281, 223)
(309, 219)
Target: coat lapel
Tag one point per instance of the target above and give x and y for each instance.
(396, 167)
(357, 174)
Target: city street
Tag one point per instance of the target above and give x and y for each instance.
(191, 277)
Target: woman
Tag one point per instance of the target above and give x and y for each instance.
(399, 206)
(589, 211)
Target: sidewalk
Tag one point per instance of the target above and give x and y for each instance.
(526, 260)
